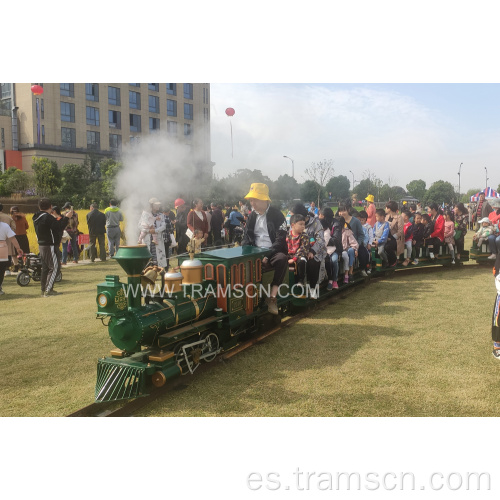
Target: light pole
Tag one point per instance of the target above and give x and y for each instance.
(352, 179)
(459, 168)
(486, 170)
(293, 165)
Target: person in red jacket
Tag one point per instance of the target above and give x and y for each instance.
(437, 235)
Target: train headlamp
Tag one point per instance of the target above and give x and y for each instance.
(102, 299)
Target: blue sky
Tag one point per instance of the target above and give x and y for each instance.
(400, 132)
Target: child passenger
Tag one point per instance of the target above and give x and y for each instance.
(333, 240)
(298, 245)
(350, 249)
(381, 233)
(368, 240)
(408, 232)
(484, 231)
(418, 236)
(449, 233)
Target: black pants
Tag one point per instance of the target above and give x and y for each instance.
(217, 238)
(49, 267)
(312, 269)
(363, 257)
(301, 270)
(279, 262)
(433, 244)
(460, 245)
(3, 266)
(390, 249)
(93, 249)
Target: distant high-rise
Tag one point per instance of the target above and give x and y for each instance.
(68, 121)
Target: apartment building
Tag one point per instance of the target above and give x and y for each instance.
(68, 121)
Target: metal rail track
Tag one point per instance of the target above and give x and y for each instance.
(126, 409)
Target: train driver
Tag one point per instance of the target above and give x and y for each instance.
(266, 228)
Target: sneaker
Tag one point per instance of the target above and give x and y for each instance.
(492, 256)
(364, 273)
(75, 262)
(272, 305)
(415, 262)
(496, 353)
(453, 261)
(346, 279)
(368, 271)
(330, 285)
(351, 278)
(2, 292)
(431, 255)
(394, 265)
(52, 292)
(313, 294)
(7, 273)
(335, 285)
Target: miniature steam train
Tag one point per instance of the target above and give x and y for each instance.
(218, 298)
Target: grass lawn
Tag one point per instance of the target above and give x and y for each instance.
(409, 346)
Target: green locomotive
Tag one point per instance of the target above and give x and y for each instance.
(163, 331)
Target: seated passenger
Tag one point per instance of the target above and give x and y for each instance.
(359, 234)
(437, 236)
(418, 237)
(449, 233)
(266, 228)
(408, 233)
(381, 235)
(333, 240)
(368, 239)
(298, 245)
(485, 230)
(494, 239)
(350, 249)
(317, 252)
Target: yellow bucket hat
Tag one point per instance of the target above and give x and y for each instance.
(370, 198)
(259, 191)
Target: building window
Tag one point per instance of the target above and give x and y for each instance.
(114, 96)
(115, 142)
(67, 112)
(206, 116)
(154, 86)
(172, 88)
(154, 124)
(135, 84)
(92, 116)
(93, 140)
(154, 104)
(92, 92)
(3, 138)
(172, 128)
(187, 129)
(68, 137)
(67, 89)
(42, 110)
(115, 119)
(188, 91)
(188, 111)
(134, 100)
(43, 134)
(135, 123)
(171, 107)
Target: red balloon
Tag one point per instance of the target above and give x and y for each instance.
(230, 112)
(37, 89)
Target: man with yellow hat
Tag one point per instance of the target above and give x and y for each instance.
(370, 210)
(266, 228)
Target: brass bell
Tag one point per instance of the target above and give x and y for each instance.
(149, 277)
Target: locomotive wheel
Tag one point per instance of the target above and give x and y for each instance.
(193, 355)
(23, 279)
(211, 345)
(59, 277)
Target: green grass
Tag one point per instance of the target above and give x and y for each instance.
(415, 345)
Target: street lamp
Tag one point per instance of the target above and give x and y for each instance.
(459, 168)
(352, 179)
(486, 170)
(293, 165)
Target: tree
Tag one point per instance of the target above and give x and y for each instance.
(319, 172)
(286, 188)
(339, 187)
(309, 191)
(16, 181)
(471, 192)
(439, 192)
(416, 189)
(47, 176)
(75, 180)
(362, 189)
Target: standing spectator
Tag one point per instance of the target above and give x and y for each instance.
(158, 254)
(483, 208)
(58, 237)
(72, 230)
(7, 235)
(235, 220)
(243, 209)
(217, 222)
(314, 209)
(21, 236)
(113, 218)
(197, 218)
(181, 225)
(46, 226)
(370, 210)
(208, 213)
(169, 231)
(96, 222)
(11, 249)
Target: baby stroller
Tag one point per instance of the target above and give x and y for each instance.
(32, 268)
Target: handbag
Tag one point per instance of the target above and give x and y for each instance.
(457, 235)
(173, 243)
(65, 236)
